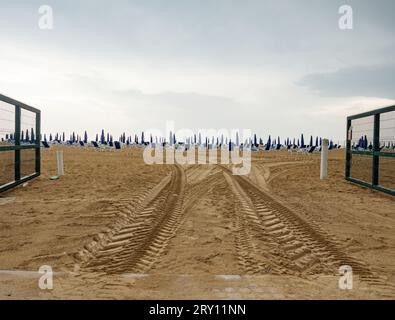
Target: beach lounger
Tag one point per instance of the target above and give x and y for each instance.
(82, 144)
(311, 150)
(95, 144)
(45, 144)
(117, 145)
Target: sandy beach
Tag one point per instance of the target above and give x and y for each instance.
(114, 227)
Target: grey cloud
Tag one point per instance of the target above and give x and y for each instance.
(372, 81)
(287, 38)
(188, 109)
(222, 32)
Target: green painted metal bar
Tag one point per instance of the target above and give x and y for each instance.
(21, 147)
(368, 185)
(18, 103)
(38, 141)
(13, 184)
(17, 161)
(348, 148)
(373, 153)
(376, 148)
(371, 113)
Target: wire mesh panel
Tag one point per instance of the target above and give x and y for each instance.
(387, 132)
(362, 133)
(387, 173)
(362, 140)
(371, 149)
(7, 123)
(7, 170)
(361, 167)
(387, 146)
(28, 127)
(28, 162)
(19, 142)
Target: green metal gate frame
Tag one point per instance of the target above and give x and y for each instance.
(17, 147)
(375, 153)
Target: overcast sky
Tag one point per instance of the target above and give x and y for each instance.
(275, 67)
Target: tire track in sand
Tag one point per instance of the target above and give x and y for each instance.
(191, 250)
(289, 244)
(134, 243)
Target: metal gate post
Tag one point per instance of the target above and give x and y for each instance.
(376, 150)
(38, 142)
(17, 164)
(348, 148)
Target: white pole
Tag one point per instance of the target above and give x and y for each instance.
(324, 159)
(59, 157)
